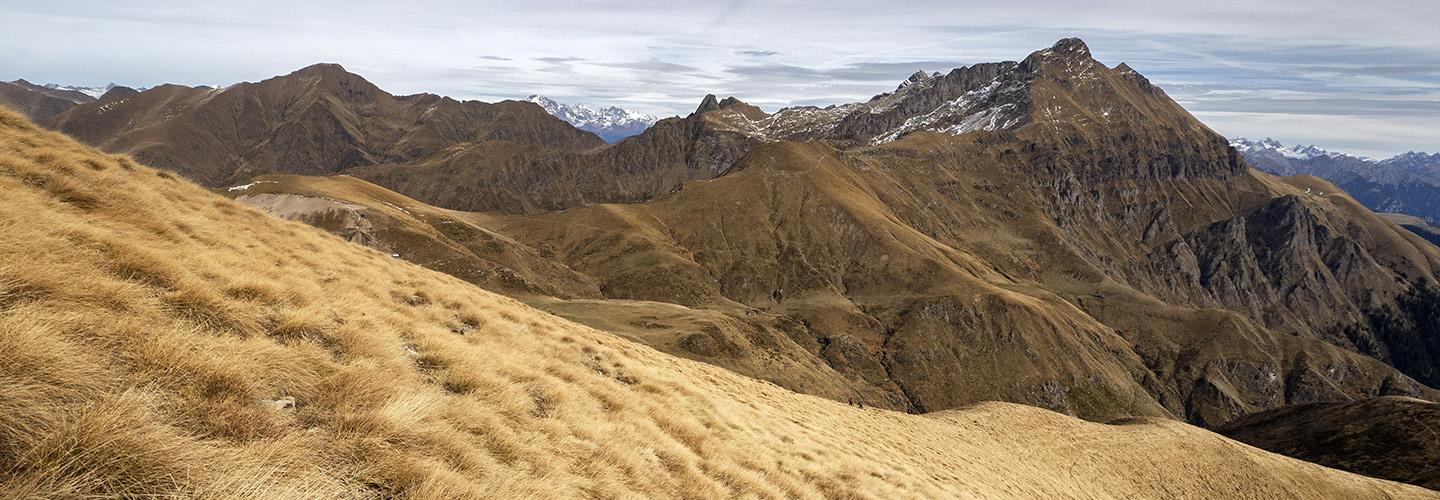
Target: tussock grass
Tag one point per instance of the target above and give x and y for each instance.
(153, 337)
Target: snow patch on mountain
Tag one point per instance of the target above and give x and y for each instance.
(974, 110)
(611, 123)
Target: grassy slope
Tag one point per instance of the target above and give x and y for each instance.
(462, 244)
(145, 324)
(436, 238)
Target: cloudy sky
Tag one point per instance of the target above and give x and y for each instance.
(1342, 74)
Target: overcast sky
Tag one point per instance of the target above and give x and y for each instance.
(1350, 76)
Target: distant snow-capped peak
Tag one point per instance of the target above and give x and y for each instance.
(1414, 158)
(95, 92)
(1297, 152)
(611, 123)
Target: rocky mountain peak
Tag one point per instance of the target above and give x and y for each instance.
(544, 102)
(918, 78)
(1071, 46)
(708, 104)
(1068, 56)
(712, 103)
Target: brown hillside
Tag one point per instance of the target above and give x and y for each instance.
(73, 96)
(515, 178)
(159, 340)
(462, 244)
(953, 296)
(317, 120)
(439, 239)
(29, 100)
(831, 339)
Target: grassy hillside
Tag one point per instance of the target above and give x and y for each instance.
(156, 339)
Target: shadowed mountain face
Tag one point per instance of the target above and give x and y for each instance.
(1391, 438)
(1053, 231)
(317, 120)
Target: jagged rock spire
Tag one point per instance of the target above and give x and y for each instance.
(708, 104)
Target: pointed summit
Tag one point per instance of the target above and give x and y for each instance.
(918, 77)
(547, 103)
(708, 104)
(1067, 51)
(711, 103)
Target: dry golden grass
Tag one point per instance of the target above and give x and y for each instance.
(149, 328)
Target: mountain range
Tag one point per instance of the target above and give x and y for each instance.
(611, 123)
(1408, 183)
(1052, 231)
